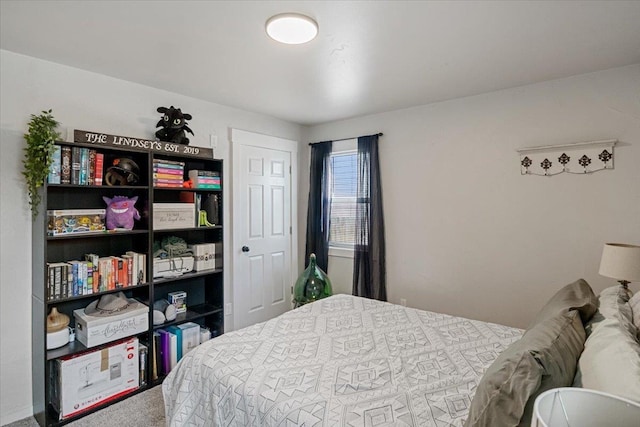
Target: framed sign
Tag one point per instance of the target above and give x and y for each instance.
(162, 147)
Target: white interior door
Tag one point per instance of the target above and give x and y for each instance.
(263, 227)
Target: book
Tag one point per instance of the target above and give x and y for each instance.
(65, 165)
(128, 260)
(84, 166)
(178, 333)
(56, 162)
(173, 350)
(93, 259)
(168, 162)
(165, 348)
(155, 362)
(92, 167)
(76, 159)
(142, 355)
(73, 286)
(197, 172)
(169, 176)
(168, 171)
(138, 268)
(165, 185)
(99, 170)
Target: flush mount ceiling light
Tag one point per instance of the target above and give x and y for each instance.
(291, 28)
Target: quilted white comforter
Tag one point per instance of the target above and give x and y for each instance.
(341, 361)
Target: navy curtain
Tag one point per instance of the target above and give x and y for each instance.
(369, 263)
(319, 209)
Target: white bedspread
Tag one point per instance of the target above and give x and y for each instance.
(341, 361)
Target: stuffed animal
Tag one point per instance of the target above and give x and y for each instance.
(121, 212)
(174, 125)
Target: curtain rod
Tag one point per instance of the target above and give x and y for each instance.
(345, 139)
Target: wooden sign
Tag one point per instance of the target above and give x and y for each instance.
(162, 147)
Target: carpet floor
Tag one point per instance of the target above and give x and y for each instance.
(143, 409)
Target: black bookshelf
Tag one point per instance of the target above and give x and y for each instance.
(205, 297)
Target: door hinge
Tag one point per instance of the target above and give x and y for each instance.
(289, 169)
(290, 230)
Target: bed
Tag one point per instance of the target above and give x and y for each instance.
(350, 361)
(343, 360)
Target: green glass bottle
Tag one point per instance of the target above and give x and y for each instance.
(313, 284)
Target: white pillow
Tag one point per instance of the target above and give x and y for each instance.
(634, 303)
(610, 361)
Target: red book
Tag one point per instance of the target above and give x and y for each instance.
(99, 168)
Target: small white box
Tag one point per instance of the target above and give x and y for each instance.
(204, 255)
(94, 330)
(83, 381)
(168, 216)
(179, 300)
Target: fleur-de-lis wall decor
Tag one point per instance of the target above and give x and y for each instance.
(578, 158)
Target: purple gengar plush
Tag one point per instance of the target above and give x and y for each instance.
(121, 212)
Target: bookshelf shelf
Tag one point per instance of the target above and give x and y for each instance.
(204, 288)
(191, 190)
(164, 281)
(193, 313)
(75, 347)
(96, 295)
(97, 234)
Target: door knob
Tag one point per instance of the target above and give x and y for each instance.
(245, 249)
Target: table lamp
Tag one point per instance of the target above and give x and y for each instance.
(581, 407)
(621, 262)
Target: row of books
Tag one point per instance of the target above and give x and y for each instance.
(76, 165)
(168, 173)
(95, 274)
(205, 179)
(172, 343)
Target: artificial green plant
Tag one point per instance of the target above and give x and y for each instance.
(38, 155)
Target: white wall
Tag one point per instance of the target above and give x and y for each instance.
(466, 233)
(87, 101)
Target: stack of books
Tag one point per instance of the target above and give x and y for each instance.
(168, 173)
(172, 343)
(76, 165)
(95, 274)
(205, 179)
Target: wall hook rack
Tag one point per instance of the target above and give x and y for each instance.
(577, 158)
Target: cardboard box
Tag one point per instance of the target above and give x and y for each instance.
(204, 256)
(168, 216)
(169, 267)
(66, 221)
(179, 300)
(94, 330)
(86, 380)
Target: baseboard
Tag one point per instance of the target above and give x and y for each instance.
(15, 414)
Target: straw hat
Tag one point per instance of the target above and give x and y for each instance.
(111, 305)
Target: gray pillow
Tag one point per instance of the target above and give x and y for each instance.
(544, 358)
(575, 296)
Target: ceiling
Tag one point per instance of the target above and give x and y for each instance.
(369, 57)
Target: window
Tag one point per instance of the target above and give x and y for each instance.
(343, 189)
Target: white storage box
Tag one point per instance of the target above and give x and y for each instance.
(168, 216)
(169, 267)
(204, 255)
(93, 330)
(84, 381)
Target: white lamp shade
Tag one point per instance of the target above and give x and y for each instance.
(621, 262)
(573, 406)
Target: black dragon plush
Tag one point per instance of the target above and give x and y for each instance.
(174, 126)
